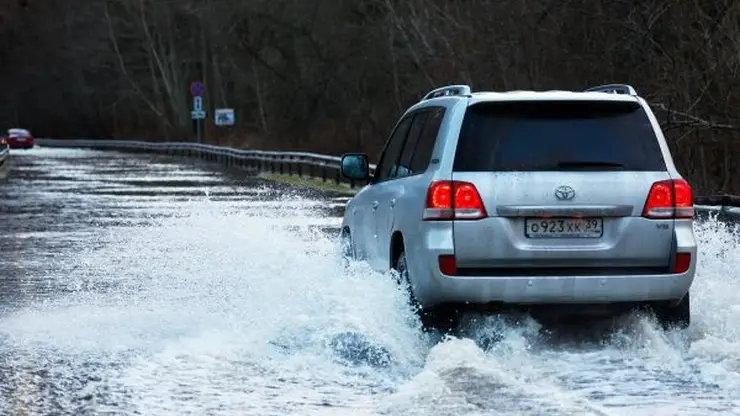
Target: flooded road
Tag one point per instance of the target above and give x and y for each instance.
(138, 285)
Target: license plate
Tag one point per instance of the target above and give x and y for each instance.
(563, 227)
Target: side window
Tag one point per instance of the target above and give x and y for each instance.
(427, 139)
(404, 164)
(387, 165)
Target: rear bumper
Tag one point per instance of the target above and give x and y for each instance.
(432, 288)
(557, 289)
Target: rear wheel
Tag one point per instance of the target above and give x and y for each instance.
(441, 319)
(402, 277)
(675, 316)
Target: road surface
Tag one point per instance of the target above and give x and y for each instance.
(142, 285)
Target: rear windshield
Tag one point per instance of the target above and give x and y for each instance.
(557, 135)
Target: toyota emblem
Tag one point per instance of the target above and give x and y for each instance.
(564, 193)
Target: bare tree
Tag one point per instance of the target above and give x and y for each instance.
(333, 76)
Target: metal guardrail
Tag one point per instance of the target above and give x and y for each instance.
(307, 164)
(315, 165)
(722, 212)
(4, 160)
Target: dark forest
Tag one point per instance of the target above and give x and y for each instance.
(334, 75)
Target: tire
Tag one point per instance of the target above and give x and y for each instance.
(348, 250)
(441, 319)
(402, 277)
(675, 316)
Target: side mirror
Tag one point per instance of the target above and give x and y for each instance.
(355, 166)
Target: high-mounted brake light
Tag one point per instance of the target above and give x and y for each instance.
(453, 200)
(667, 199)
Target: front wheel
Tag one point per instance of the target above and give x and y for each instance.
(347, 248)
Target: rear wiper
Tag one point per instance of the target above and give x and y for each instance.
(588, 164)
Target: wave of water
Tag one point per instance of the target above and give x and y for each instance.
(228, 311)
(630, 367)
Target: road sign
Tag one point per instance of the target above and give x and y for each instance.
(224, 117)
(198, 114)
(197, 103)
(197, 88)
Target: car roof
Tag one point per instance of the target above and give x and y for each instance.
(555, 95)
(459, 94)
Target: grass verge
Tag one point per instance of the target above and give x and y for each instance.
(310, 182)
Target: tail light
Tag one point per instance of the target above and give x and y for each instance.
(447, 264)
(453, 200)
(682, 263)
(668, 199)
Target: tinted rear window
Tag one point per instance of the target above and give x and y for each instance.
(557, 135)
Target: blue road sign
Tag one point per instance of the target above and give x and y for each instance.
(197, 88)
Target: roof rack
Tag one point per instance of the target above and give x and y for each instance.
(463, 90)
(614, 89)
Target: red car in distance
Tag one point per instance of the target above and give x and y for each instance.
(19, 139)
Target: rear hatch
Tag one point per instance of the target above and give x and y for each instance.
(564, 184)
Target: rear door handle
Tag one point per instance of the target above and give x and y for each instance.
(375, 205)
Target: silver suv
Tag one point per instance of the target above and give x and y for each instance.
(563, 203)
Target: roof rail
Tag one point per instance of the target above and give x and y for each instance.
(448, 90)
(614, 89)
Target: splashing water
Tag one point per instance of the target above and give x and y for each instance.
(249, 310)
(634, 369)
(230, 311)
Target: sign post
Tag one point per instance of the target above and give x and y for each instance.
(198, 114)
